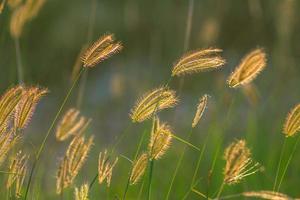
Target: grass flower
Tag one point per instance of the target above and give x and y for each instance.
(105, 168)
(271, 195)
(292, 123)
(82, 192)
(138, 168)
(8, 139)
(200, 110)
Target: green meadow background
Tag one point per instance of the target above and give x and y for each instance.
(153, 34)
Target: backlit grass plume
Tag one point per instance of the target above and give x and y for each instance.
(27, 105)
(72, 162)
(239, 163)
(71, 124)
(82, 192)
(200, 110)
(271, 195)
(8, 139)
(292, 123)
(17, 172)
(102, 49)
(105, 168)
(138, 168)
(153, 101)
(251, 65)
(160, 140)
(198, 61)
(8, 103)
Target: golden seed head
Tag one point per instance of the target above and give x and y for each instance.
(200, 110)
(17, 172)
(7, 141)
(198, 61)
(292, 123)
(82, 192)
(27, 105)
(8, 103)
(152, 102)
(251, 65)
(239, 163)
(71, 124)
(73, 161)
(138, 168)
(102, 49)
(160, 140)
(105, 168)
(271, 195)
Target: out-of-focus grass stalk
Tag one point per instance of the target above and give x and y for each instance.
(280, 162)
(20, 74)
(151, 166)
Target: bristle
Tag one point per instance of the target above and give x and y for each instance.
(200, 110)
(102, 49)
(198, 61)
(105, 168)
(138, 168)
(251, 65)
(152, 102)
(292, 123)
(71, 124)
(8, 139)
(271, 195)
(82, 192)
(239, 163)
(160, 141)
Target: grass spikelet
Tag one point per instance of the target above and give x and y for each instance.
(153, 101)
(17, 169)
(105, 168)
(7, 141)
(251, 65)
(138, 168)
(292, 123)
(239, 163)
(102, 49)
(72, 162)
(198, 61)
(72, 123)
(271, 195)
(8, 103)
(27, 105)
(82, 192)
(160, 140)
(200, 110)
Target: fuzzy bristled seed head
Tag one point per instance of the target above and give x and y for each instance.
(239, 163)
(292, 123)
(8, 139)
(102, 49)
(251, 65)
(82, 192)
(271, 195)
(8, 103)
(198, 61)
(152, 102)
(27, 105)
(17, 172)
(72, 123)
(105, 168)
(73, 161)
(160, 140)
(200, 110)
(138, 168)
(22, 14)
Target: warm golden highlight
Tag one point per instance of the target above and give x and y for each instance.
(138, 168)
(152, 102)
(8, 139)
(271, 195)
(292, 123)
(251, 65)
(105, 168)
(102, 49)
(198, 61)
(200, 110)
(82, 192)
(239, 163)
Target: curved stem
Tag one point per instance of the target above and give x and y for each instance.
(279, 164)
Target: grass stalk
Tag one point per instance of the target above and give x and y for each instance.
(150, 179)
(280, 162)
(19, 61)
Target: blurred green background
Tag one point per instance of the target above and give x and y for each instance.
(153, 34)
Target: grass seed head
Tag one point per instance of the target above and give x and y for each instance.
(82, 192)
(198, 61)
(105, 168)
(200, 110)
(292, 123)
(271, 195)
(251, 65)
(152, 102)
(138, 168)
(8, 139)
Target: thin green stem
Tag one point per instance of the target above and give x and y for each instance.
(185, 142)
(200, 194)
(220, 190)
(150, 179)
(280, 162)
(288, 163)
(19, 61)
